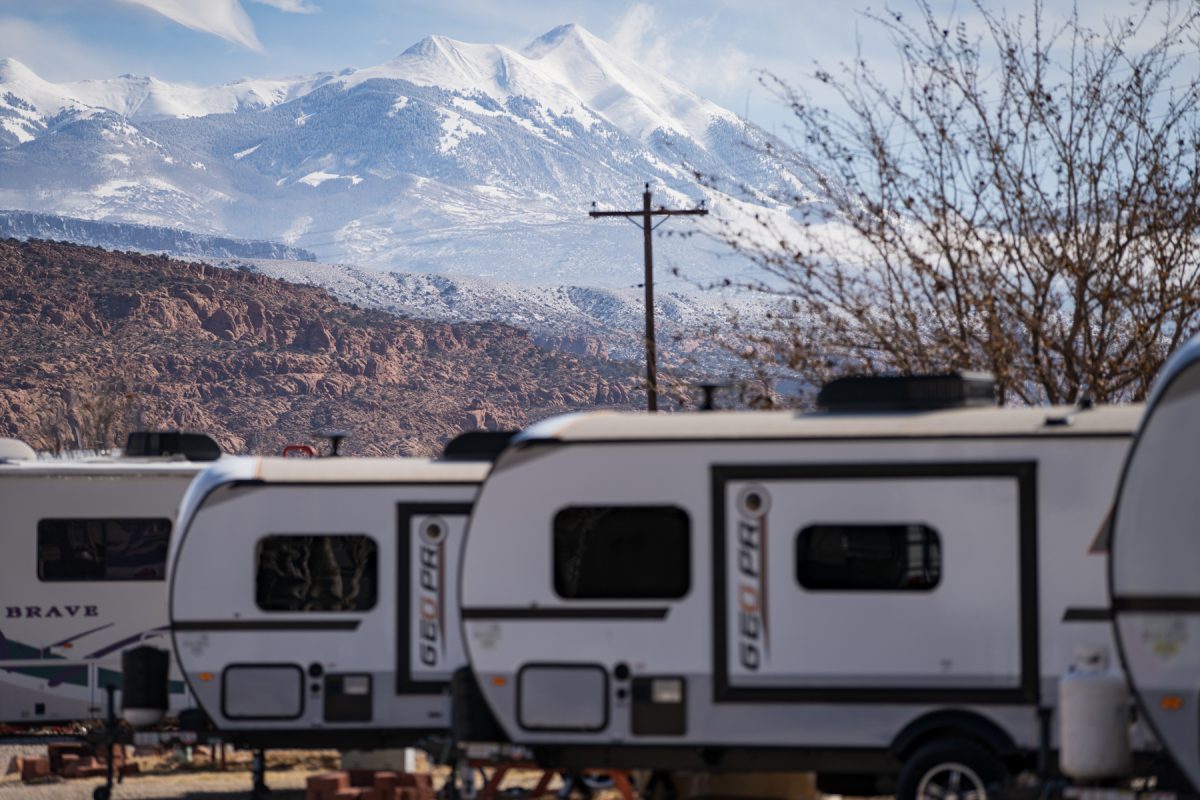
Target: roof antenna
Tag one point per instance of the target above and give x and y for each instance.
(710, 391)
(335, 441)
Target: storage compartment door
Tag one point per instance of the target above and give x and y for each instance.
(562, 697)
(262, 691)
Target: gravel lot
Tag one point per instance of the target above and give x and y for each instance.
(286, 783)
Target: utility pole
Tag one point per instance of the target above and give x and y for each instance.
(647, 225)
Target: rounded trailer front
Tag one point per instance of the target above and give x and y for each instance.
(1154, 567)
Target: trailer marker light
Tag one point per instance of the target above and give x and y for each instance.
(666, 690)
(206, 676)
(499, 680)
(1171, 702)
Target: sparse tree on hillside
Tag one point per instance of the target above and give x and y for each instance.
(1017, 197)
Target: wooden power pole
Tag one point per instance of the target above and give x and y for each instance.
(647, 225)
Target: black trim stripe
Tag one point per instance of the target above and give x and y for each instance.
(1076, 614)
(1053, 432)
(592, 612)
(261, 625)
(1162, 604)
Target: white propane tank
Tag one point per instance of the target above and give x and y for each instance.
(1093, 712)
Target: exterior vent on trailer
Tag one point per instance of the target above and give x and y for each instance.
(192, 446)
(477, 445)
(866, 393)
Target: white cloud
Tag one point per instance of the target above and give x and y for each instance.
(292, 6)
(53, 52)
(224, 18)
(691, 51)
(635, 34)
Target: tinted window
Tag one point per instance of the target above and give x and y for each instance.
(622, 553)
(868, 557)
(103, 549)
(316, 573)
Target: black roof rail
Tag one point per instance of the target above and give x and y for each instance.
(881, 393)
(192, 446)
(477, 445)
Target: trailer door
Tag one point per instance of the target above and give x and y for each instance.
(876, 582)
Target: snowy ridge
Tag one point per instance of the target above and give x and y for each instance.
(685, 321)
(471, 159)
(146, 239)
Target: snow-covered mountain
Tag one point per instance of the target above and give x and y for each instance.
(453, 157)
(583, 319)
(142, 238)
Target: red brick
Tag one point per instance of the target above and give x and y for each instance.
(386, 782)
(348, 794)
(74, 766)
(362, 777)
(326, 785)
(14, 766)
(57, 751)
(91, 772)
(132, 768)
(34, 768)
(424, 783)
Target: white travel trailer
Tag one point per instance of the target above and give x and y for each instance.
(313, 602)
(886, 598)
(83, 573)
(1154, 575)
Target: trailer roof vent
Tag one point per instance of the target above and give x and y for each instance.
(477, 445)
(192, 446)
(867, 393)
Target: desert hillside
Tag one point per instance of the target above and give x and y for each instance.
(97, 342)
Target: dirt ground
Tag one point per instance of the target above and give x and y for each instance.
(169, 778)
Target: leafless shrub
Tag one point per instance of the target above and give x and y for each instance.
(1023, 199)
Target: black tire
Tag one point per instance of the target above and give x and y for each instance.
(950, 769)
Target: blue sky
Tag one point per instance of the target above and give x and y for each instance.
(715, 47)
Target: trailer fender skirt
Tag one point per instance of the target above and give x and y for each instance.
(954, 722)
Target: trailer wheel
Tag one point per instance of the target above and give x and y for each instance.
(950, 769)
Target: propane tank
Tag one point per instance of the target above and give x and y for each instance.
(1093, 709)
(144, 696)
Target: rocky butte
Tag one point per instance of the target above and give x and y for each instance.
(96, 343)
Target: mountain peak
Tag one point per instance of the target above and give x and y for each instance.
(12, 71)
(570, 32)
(431, 46)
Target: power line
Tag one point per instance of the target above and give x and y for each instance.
(647, 225)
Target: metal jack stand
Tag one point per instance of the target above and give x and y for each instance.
(110, 733)
(258, 773)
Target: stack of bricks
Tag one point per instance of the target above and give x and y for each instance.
(367, 784)
(71, 761)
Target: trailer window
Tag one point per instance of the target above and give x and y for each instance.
(626, 552)
(869, 557)
(316, 573)
(103, 549)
